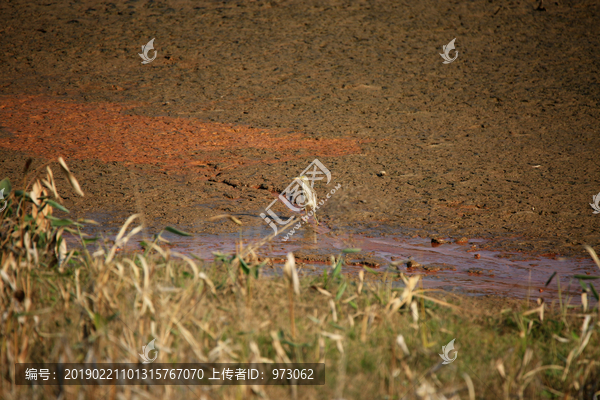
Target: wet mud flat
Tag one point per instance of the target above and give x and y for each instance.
(501, 143)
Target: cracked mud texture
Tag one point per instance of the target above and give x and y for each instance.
(503, 143)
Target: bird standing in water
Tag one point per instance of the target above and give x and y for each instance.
(310, 196)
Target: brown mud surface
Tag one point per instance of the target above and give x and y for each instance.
(502, 144)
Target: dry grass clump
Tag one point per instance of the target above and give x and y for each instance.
(378, 340)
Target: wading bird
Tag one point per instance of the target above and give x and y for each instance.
(310, 196)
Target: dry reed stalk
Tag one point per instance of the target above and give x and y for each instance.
(292, 318)
(333, 311)
(291, 274)
(71, 178)
(279, 349)
(364, 326)
(361, 276)
(593, 254)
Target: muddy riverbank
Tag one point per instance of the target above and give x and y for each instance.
(502, 144)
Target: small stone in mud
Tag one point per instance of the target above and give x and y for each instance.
(381, 173)
(462, 240)
(480, 271)
(437, 241)
(478, 256)
(412, 264)
(372, 262)
(433, 267)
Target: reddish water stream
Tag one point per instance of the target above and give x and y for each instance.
(463, 268)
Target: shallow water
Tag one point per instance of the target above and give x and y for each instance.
(506, 274)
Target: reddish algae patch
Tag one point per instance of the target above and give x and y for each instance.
(49, 128)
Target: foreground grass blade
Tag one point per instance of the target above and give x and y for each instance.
(586, 277)
(5, 184)
(594, 291)
(550, 279)
(56, 205)
(177, 231)
(347, 251)
(61, 222)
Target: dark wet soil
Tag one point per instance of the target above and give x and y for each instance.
(501, 144)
